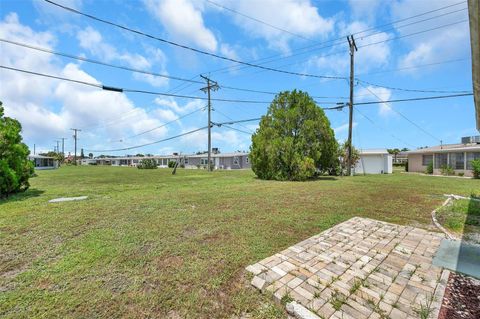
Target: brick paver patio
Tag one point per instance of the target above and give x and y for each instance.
(361, 268)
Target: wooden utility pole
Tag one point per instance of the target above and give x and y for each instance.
(353, 48)
(211, 85)
(76, 130)
(63, 145)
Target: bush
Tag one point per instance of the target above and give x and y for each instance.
(15, 168)
(429, 169)
(447, 170)
(476, 168)
(147, 163)
(171, 164)
(461, 174)
(294, 140)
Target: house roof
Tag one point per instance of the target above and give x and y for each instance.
(173, 156)
(39, 156)
(447, 148)
(373, 151)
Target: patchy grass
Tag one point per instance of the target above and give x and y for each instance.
(462, 217)
(149, 244)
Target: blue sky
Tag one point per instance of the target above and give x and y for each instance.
(389, 55)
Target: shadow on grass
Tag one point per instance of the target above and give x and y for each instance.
(29, 193)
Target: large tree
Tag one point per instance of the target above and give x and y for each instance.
(15, 168)
(294, 140)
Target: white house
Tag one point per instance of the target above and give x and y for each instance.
(43, 162)
(374, 161)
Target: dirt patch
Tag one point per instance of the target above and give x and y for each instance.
(461, 299)
(170, 262)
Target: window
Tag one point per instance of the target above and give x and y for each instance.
(471, 157)
(457, 160)
(427, 159)
(247, 160)
(185, 160)
(441, 160)
(204, 161)
(235, 160)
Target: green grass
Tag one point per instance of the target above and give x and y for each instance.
(149, 244)
(462, 217)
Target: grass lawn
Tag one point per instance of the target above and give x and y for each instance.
(462, 217)
(149, 244)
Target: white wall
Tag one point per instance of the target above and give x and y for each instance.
(374, 164)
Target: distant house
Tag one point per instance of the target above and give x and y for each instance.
(43, 162)
(457, 156)
(374, 161)
(235, 160)
(400, 158)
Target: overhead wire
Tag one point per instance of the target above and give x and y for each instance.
(129, 90)
(186, 47)
(403, 116)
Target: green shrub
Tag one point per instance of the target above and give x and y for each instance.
(171, 164)
(461, 174)
(15, 168)
(429, 169)
(294, 140)
(476, 168)
(147, 163)
(447, 170)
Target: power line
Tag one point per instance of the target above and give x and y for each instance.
(414, 99)
(236, 129)
(408, 90)
(406, 118)
(416, 66)
(163, 125)
(259, 21)
(121, 90)
(80, 58)
(228, 117)
(383, 129)
(374, 43)
(191, 81)
(340, 41)
(415, 33)
(148, 144)
(188, 47)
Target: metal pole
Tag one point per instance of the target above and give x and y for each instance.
(353, 48)
(210, 86)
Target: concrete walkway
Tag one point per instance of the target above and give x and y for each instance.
(361, 268)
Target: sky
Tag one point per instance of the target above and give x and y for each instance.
(402, 45)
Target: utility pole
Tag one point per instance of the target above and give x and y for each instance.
(63, 145)
(33, 149)
(353, 48)
(76, 130)
(58, 147)
(211, 85)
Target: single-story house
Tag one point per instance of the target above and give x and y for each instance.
(457, 156)
(373, 161)
(235, 160)
(43, 162)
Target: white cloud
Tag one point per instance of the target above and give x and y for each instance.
(431, 47)
(48, 108)
(297, 16)
(343, 128)
(173, 104)
(365, 94)
(369, 55)
(182, 19)
(367, 9)
(91, 40)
